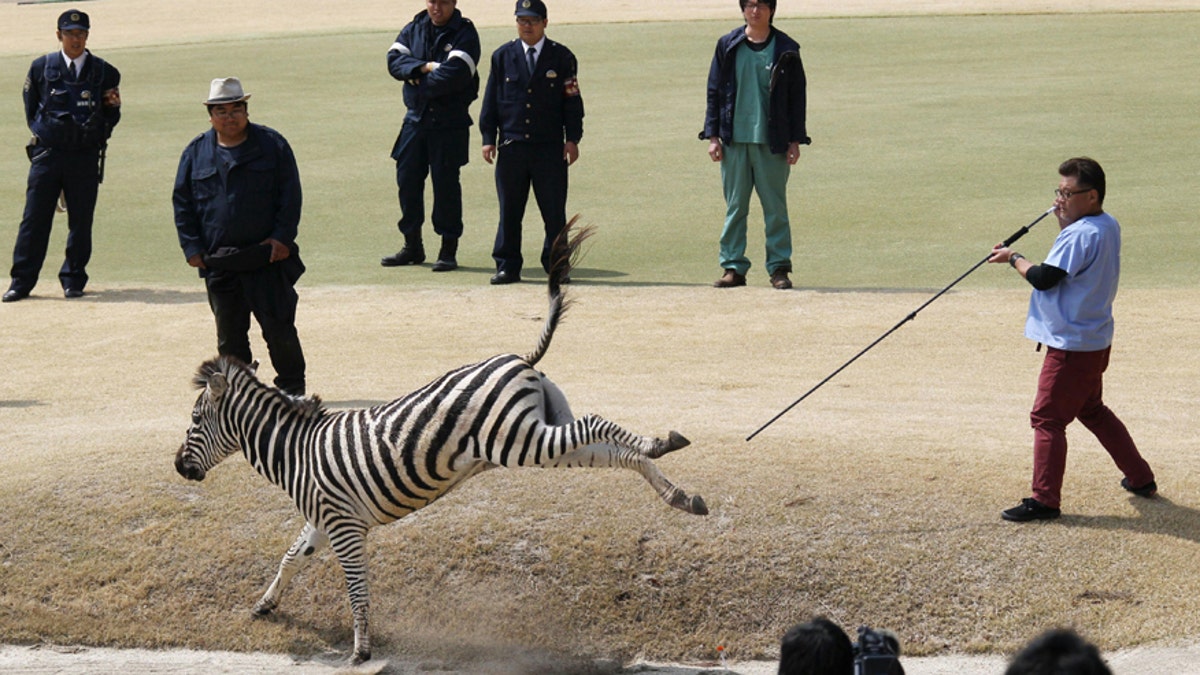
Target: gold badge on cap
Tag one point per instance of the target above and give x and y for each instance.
(75, 17)
(526, 4)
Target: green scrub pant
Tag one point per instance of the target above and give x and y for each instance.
(746, 167)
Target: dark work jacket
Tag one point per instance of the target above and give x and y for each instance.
(544, 108)
(438, 99)
(219, 206)
(70, 115)
(787, 105)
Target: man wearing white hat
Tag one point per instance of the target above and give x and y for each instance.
(237, 208)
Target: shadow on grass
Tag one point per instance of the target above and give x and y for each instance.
(146, 296)
(1155, 516)
(20, 403)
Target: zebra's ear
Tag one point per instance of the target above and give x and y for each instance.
(217, 386)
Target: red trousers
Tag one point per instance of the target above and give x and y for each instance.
(1070, 387)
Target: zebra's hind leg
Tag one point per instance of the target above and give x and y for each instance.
(608, 455)
(302, 550)
(610, 446)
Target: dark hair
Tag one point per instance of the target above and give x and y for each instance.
(818, 647)
(210, 107)
(768, 3)
(1058, 652)
(1087, 174)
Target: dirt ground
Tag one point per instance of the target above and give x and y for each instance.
(175, 327)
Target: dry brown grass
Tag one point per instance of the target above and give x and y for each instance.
(876, 500)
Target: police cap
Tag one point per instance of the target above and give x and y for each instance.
(531, 8)
(73, 19)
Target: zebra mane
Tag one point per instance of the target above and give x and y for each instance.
(567, 252)
(233, 368)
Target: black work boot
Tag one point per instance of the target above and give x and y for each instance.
(446, 260)
(413, 253)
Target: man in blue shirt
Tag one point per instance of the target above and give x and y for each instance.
(1070, 312)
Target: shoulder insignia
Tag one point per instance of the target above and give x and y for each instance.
(571, 87)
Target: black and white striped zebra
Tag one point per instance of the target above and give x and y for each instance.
(348, 471)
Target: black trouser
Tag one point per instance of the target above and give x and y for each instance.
(518, 165)
(270, 296)
(76, 174)
(438, 154)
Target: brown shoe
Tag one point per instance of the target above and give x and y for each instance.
(730, 280)
(780, 280)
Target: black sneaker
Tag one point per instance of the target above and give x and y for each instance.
(1030, 509)
(1148, 490)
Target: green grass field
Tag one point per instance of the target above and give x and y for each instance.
(934, 137)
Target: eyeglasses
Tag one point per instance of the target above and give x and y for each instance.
(752, 6)
(528, 20)
(1067, 194)
(229, 114)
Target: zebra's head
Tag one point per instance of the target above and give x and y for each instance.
(208, 438)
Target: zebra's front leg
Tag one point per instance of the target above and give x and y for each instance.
(302, 550)
(349, 543)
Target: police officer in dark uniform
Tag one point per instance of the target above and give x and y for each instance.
(436, 56)
(72, 103)
(532, 121)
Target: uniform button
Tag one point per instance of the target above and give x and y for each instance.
(526, 120)
(528, 105)
(526, 135)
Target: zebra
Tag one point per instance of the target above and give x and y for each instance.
(348, 471)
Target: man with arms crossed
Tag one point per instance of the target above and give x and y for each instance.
(436, 56)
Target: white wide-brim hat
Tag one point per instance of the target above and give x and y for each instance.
(226, 90)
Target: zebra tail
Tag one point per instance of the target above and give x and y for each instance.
(566, 253)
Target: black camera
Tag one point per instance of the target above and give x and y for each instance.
(876, 653)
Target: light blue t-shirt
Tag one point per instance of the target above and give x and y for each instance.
(1076, 314)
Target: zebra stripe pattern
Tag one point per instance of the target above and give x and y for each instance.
(348, 471)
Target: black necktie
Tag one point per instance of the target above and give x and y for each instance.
(529, 57)
(71, 68)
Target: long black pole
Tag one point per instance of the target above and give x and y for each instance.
(912, 315)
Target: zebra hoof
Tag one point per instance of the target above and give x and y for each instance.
(698, 506)
(360, 658)
(675, 441)
(263, 609)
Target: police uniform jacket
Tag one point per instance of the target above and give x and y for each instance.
(786, 109)
(544, 108)
(438, 99)
(70, 115)
(238, 205)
